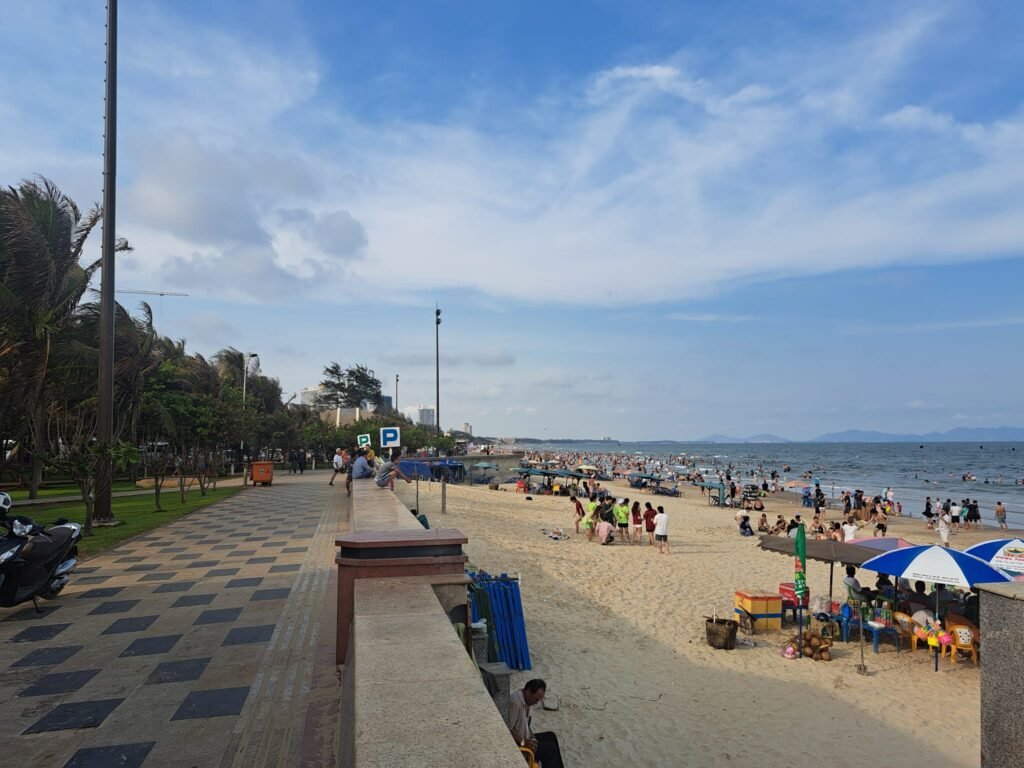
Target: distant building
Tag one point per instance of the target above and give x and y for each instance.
(386, 404)
(425, 417)
(308, 395)
(467, 428)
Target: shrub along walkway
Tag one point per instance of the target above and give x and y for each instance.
(208, 642)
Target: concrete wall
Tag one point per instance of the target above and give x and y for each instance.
(1002, 674)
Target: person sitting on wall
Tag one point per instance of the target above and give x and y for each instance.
(361, 468)
(389, 471)
(544, 745)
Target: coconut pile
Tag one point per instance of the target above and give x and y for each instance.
(814, 646)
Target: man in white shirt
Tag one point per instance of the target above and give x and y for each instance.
(856, 589)
(661, 531)
(544, 745)
(339, 465)
(850, 530)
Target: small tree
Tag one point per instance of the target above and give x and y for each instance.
(349, 387)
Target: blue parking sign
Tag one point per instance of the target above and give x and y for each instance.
(390, 437)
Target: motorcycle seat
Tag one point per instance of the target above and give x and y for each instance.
(43, 547)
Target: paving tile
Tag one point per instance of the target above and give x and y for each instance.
(100, 592)
(119, 755)
(288, 568)
(240, 553)
(223, 572)
(270, 544)
(223, 546)
(87, 569)
(172, 550)
(129, 559)
(247, 635)
(258, 560)
(46, 656)
(143, 567)
(217, 616)
(257, 538)
(114, 606)
(83, 714)
(270, 594)
(133, 624)
(90, 579)
(186, 556)
(39, 632)
(187, 600)
(201, 564)
(219, 702)
(293, 550)
(148, 646)
(179, 671)
(177, 586)
(59, 682)
(254, 581)
(163, 576)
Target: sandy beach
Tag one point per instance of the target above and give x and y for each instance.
(618, 634)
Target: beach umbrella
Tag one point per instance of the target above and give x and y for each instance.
(939, 565)
(485, 465)
(586, 468)
(1006, 554)
(825, 551)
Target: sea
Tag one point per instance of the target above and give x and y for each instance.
(913, 470)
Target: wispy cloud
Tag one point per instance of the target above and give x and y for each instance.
(937, 326)
(708, 317)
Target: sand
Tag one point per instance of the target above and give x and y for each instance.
(618, 633)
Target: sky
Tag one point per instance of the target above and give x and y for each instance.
(642, 219)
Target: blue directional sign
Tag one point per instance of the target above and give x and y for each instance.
(390, 437)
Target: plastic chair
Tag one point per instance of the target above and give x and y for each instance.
(531, 759)
(521, 486)
(964, 639)
(904, 625)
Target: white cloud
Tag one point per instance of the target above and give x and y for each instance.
(708, 317)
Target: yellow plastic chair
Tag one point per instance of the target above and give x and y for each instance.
(531, 759)
(964, 639)
(904, 629)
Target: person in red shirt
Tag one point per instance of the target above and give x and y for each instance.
(579, 512)
(638, 523)
(649, 514)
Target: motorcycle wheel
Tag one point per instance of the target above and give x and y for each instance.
(51, 593)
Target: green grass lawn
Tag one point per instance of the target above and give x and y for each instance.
(21, 494)
(135, 512)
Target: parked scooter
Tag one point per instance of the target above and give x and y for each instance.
(34, 561)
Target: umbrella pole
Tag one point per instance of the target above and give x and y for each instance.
(831, 573)
(937, 624)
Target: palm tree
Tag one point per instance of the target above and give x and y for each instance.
(42, 237)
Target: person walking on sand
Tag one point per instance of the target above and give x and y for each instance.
(621, 511)
(1001, 515)
(578, 512)
(943, 526)
(661, 531)
(649, 515)
(638, 523)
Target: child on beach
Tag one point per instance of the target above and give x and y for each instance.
(578, 512)
(649, 515)
(638, 524)
(661, 531)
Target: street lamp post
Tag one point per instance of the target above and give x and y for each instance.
(246, 359)
(102, 512)
(396, 393)
(437, 369)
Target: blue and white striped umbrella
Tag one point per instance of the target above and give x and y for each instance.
(1006, 554)
(939, 565)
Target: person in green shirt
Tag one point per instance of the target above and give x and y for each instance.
(621, 511)
(590, 519)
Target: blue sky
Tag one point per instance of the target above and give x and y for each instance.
(641, 219)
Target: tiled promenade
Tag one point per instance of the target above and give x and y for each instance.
(208, 642)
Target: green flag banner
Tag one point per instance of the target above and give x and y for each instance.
(800, 563)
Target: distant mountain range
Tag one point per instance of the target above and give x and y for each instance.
(958, 435)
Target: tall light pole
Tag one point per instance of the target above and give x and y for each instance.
(246, 357)
(396, 393)
(102, 513)
(437, 368)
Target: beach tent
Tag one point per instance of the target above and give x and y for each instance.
(883, 543)
(1005, 554)
(824, 551)
(415, 469)
(939, 565)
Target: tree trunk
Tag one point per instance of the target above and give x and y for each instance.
(37, 475)
(156, 491)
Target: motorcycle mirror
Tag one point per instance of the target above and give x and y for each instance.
(59, 521)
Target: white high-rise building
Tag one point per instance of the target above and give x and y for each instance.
(426, 416)
(308, 395)
(467, 428)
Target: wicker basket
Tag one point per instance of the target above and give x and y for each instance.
(721, 633)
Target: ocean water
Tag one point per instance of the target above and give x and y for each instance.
(914, 470)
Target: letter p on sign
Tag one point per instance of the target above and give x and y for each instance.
(390, 437)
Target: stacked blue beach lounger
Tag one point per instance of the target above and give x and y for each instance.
(497, 599)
